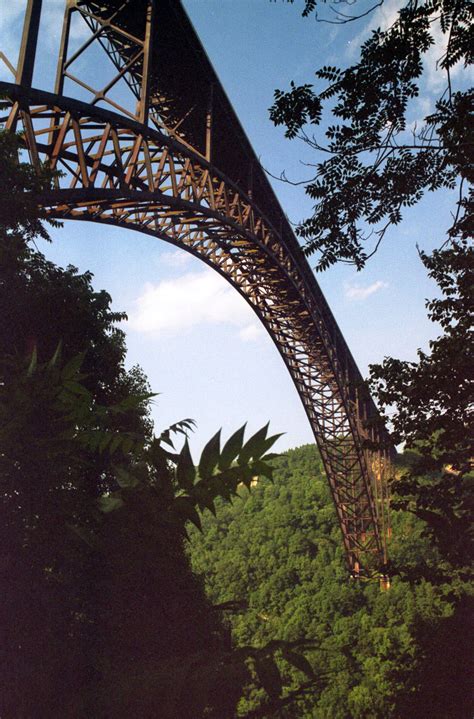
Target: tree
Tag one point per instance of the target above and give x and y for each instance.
(98, 594)
(375, 168)
(434, 399)
(20, 218)
(374, 165)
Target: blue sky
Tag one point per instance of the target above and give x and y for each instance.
(199, 343)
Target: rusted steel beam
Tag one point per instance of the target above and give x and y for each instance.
(209, 112)
(144, 104)
(6, 61)
(29, 40)
(63, 50)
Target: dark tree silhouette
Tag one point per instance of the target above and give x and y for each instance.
(368, 165)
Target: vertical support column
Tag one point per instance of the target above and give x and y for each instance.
(250, 183)
(26, 60)
(63, 49)
(250, 194)
(209, 124)
(144, 103)
(386, 464)
(24, 74)
(61, 66)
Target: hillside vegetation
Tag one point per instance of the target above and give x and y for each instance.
(276, 553)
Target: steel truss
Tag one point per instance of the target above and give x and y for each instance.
(150, 170)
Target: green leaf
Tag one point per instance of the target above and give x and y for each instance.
(269, 675)
(159, 456)
(33, 362)
(134, 401)
(184, 508)
(78, 389)
(56, 355)
(246, 476)
(182, 427)
(204, 497)
(254, 446)
(210, 456)
(269, 442)
(299, 662)
(272, 455)
(166, 439)
(71, 369)
(124, 478)
(262, 469)
(232, 448)
(185, 469)
(109, 503)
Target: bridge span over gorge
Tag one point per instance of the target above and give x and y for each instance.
(175, 163)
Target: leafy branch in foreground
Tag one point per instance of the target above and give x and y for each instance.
(370, 164)
(177, 488)
(338, 17)
(106, 558)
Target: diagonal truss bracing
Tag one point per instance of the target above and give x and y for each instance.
(150, 169)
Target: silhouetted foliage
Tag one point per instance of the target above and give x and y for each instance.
(434, 400)
(374, 165)
(338, 17)
(371, 167)
(99, 601)
(20, 183)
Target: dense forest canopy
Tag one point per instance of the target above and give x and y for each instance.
(276, 553)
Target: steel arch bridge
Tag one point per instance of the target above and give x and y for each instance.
(171, 160)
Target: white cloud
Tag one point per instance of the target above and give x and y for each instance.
(251, 333)
(436, 78)
(174, 259)
(197, 298)
(356, 292)
(52, 19)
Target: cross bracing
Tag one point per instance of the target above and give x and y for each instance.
(176, 165)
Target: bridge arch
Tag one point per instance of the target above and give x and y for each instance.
(115, 169)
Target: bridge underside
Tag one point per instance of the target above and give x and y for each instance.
(118, 169)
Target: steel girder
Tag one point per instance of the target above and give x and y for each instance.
(117, 169)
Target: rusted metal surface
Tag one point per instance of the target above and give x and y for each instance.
(149, 169)
(26, 60)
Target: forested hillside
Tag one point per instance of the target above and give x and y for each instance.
(277, 553)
